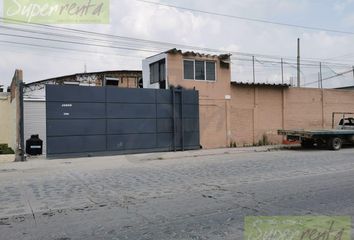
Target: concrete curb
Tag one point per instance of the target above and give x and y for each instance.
(40, 162)
(7, 158)
(206, 152)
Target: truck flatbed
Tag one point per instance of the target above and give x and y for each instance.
(331, 138)
(320, 132)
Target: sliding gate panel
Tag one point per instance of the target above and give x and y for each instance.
(107, 120)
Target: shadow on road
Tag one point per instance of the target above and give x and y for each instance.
(314, 148)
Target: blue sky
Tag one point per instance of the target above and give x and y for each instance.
(142, 20)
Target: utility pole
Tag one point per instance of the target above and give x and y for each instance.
(298, 62)
(321, 75)
(282, 70)
(254, 74)
(353, 72)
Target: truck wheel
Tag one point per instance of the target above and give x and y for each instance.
(307, 143)
(335, 143)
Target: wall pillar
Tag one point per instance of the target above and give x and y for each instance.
(227, 118)
(323, 110)
(17, 94)
(255, 114)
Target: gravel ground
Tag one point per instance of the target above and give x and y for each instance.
(195, 196)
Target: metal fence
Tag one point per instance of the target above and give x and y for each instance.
(97, 120)
(313, 74)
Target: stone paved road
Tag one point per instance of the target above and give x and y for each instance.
(199, 197)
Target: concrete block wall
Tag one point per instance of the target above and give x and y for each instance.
(246, 114)
(303, 108)
(261, 111)
(213, 123)
(8, 120)
(253, 112)
(10, 115)
(337, 101)
(214, 108)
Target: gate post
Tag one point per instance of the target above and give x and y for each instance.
(182, 122)
(174, 118)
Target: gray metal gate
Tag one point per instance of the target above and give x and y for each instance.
(107, 120)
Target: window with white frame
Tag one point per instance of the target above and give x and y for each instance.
(199, 70)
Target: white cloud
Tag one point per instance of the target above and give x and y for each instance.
(142, 20)
(341, 5)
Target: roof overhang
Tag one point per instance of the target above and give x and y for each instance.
(251, 84)
(223, 57)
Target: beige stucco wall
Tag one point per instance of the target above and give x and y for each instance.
(215, 90)
(258, 111)
(128, 82)
(7, 121)
(255, 112)
(213, 110)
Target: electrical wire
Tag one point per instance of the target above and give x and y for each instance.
(249, 19)
(135, 44)
(159, 44)
(328, 78)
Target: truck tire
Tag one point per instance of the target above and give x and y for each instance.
(335, 143)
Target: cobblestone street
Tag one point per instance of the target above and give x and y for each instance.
(151, 196)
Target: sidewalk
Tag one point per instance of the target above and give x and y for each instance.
(206, 152)
(42, 162)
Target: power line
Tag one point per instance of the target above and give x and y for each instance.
(78, 43)
(273, 63)
(71, 36)
(249, 19)
(127, 43)
(158, 44)
(68, 49)
(341, 56)
(277, 63)
(331, 77)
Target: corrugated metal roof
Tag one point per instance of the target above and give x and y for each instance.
(346, 87)
(283, 85)
(191, 53)
(88, 73)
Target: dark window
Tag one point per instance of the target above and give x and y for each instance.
(188, 69)
(158, 73)
(210, 71)
(162, 71)
(112, 83)
(154, 72)
(140, 83)
(199, 70)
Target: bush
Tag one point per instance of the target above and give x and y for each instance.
(5, 149)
